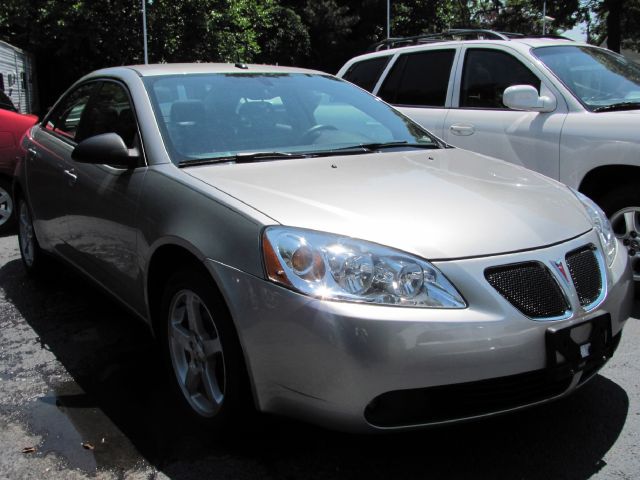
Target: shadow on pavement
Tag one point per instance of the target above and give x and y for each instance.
(118, 402)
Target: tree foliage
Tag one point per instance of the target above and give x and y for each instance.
(72, 37)
(615, 22)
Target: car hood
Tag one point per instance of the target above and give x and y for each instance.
(439, 204)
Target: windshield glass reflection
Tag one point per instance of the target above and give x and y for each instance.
(210, 116)
(597, 77)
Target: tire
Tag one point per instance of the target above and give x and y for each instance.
(622, 206)
(202, 351)
(33, 258)
(7, 207)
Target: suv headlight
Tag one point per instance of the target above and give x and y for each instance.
(334, 267)
(602, 225)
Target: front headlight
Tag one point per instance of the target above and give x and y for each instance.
(601, 224)
(333, 267)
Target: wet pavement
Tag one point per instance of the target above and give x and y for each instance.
(83, 386)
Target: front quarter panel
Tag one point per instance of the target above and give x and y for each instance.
(591, 140)
(177, 209)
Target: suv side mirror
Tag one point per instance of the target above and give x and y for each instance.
(525, 97)
(106, 148)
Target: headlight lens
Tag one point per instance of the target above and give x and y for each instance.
(601, 224)
(332, 267)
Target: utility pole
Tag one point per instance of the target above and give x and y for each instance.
(544, 17)
(388, 19)
(144, 30)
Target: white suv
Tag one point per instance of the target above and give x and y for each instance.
(568, 110)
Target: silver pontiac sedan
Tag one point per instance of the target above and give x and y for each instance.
(300, 247)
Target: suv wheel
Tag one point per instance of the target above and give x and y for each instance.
(622, 206)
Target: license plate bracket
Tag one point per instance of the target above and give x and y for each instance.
(574, 348)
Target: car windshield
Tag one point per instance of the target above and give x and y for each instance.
(209, 117)
(600, 79)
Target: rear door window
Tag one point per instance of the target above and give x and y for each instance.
(366, 73)
(419, 79)
(487, 73)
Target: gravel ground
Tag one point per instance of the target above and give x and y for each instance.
(82, 389)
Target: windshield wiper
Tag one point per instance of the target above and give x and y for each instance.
(242, 157)
(248, 157)
(373, 147)
(618, 106)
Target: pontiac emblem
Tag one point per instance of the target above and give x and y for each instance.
(559, 266)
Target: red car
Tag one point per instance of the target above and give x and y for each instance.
(12, 126)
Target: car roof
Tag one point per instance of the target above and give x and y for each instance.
(522, 44)
(196, 68)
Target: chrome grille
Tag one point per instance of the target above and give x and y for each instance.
(585, 273)
(529, 287)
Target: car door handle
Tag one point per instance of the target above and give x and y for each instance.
(462, 129)
(31, 153)
(71, 177)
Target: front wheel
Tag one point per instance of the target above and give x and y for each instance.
(202, 350)
(622, 206)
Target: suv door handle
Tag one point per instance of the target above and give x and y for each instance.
(71, 177)
(462, 129)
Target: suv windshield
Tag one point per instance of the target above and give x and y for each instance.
(266, 116)
(600, 79)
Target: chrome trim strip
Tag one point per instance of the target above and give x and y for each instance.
(603, 280)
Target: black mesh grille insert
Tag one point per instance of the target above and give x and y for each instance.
(530, 288)
(585, 273)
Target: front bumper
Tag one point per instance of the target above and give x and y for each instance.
(325, 362)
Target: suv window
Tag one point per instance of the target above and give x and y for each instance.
(65, 118)
(365, 74)
(109, 111)
(419, 79)
(487, 73)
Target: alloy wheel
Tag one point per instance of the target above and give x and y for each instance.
(6, 206)
(626, 226)
(196, 353)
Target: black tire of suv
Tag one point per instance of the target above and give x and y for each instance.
(623, 197)
(619, 198)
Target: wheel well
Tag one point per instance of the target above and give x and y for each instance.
(165, 261)
(17, 191)
(7, 178)
(599, 181)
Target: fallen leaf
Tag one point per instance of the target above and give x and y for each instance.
(88, 446)
(28, 449)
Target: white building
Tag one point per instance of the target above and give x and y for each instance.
(17, 77)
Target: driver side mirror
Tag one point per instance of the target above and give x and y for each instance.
(525, 97)
(106, 148)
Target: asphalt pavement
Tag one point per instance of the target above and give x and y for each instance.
(84, 396)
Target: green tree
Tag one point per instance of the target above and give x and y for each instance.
(615, 21)
(73, 37)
